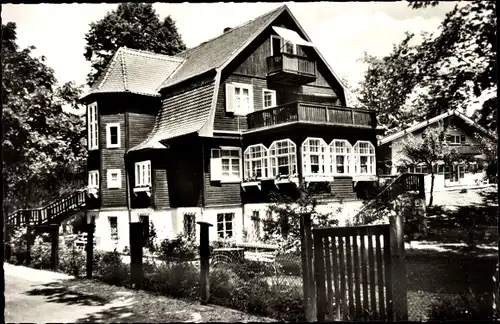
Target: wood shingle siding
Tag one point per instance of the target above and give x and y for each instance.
(112, 158)
(140, 125)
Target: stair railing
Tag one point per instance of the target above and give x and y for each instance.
(40, 215)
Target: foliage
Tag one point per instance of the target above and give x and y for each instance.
(134, 25)
(112, 270)
(178, 249)
(177, 279)
(428, 150)
(284, 228)
(41, 252)
(71, 259)
(467, 306)
(489, 148)
(449, 69)
(42, 147)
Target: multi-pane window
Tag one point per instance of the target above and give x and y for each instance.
(455, 139)
(94, 179)
(314, 156)
(190, 226)
(114, 178)
(256, 162)
(268, 98)
(92, 127)
(112, 135)
(239, 98)
(364, 158)
(113, 224)
(225, 164)
(225, 225)
(282, 155)
(143, 174)
(340, 151)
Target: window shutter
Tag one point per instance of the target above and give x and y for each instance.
(215, 165)
(230, 106)
(250, 99)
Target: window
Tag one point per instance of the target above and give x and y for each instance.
(340, 151)
(94, 179)
(225, 164)
(268, 98)
(114, 178)
(190, 226)
(364, 158)
(256, 162)
(277, 46)
(113, 135)
(421, 169)
(113, 224)
(225, 225)
(314, 153)
(144, 219)
(239, 98)
(256, 223)
(92, 127)
(453, 139)
(283, 158)
(462, 139)
(143, 174)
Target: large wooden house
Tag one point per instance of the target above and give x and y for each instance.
(211, 133)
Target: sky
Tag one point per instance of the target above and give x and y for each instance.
(342, 31)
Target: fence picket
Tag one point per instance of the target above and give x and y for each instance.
(388, 277)
(349, 275)
(373, 269)
(328, 270)
(335, 266)
(356, 276)
(364, 278)
(342, 276)
(381, 299)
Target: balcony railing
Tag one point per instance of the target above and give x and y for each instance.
(311, 113)
(287, 65)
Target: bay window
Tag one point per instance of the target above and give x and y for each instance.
(364, 158)
(314, 156)
(282, 155)
(340, 151)
(256, 164)
(143, 174)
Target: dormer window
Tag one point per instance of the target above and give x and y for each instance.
(239, 98)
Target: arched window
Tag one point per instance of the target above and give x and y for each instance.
(341, 153)
(256, 165)
(364, 158)
(282, 155)
(314, 156)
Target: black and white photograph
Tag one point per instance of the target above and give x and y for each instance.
(250, 162)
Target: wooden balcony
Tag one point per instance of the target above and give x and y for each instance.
(291, 68)
(308, 113)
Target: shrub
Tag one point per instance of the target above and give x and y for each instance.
(41, 252)
(112, 270)
(177, 279)
(178, 249)
(467, 306)
(72, 260)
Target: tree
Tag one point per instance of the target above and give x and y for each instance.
(134, 25)
(41, 143)
(447, 70)
(428, 150)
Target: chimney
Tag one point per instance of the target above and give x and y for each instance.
(227, 29)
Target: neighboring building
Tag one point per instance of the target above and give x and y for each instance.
(211, 133)
(460, 132)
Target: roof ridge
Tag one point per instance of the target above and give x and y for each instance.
(108, 69)
(232, 30)
(170, 75)
(124, 71)
(134, 51)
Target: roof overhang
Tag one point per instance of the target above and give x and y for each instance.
(292, 36)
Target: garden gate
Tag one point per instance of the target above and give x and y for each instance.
(360, 272)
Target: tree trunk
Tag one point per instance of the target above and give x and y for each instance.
(431, 197)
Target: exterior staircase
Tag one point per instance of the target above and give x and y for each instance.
(343, 189)
(54, 213)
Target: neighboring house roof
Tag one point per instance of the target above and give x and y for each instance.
(431, 121)
(135, 71)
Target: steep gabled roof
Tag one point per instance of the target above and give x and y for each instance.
(135, 71)
(434, 120)
(214, 53)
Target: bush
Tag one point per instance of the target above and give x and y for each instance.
(112, 270)
(41, 252)
(72, 261)
(173, 278)
(178, 249)
(467, 306)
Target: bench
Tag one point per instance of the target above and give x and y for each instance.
(259, 252)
